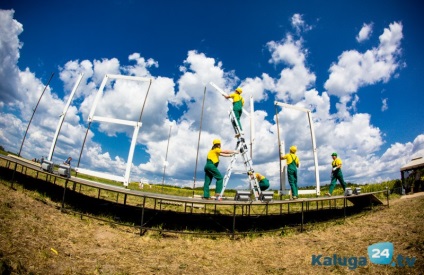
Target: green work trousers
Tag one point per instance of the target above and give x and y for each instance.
(238, 110)
(264, 184)
(337, 175)
(292, 176)
(211, 171)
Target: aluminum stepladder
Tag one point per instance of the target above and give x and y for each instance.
(243, 149)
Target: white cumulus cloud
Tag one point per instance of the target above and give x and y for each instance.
(364, 33)
(346, 131)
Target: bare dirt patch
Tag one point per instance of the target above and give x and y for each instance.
(414, 195)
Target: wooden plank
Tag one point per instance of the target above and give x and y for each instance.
(364, 200)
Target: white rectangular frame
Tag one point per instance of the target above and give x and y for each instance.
(136, 124)
(314, 148)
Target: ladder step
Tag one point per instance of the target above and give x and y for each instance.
(243, 149)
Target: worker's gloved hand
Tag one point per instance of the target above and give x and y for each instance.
(334, 168)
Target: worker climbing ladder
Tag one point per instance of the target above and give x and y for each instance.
(243, 149)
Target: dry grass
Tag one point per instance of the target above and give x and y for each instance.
(36, 238)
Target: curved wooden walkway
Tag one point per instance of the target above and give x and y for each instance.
(196, 207)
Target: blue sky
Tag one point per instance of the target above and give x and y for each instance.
(356, 64)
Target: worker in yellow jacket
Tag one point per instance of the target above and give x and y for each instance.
(292, 165)
(263, 181)
(211, 168)
(238, 102)
(336, 174)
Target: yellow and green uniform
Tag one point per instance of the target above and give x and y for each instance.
(292, 164)
(263, 182)
(238, 102)
(211, 171)
(336, 175)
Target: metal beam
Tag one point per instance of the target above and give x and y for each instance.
(291, 106)
(63, 115)
(252, 127)
(115, 120)
(128, 77)
(99, 174)
(225, 94)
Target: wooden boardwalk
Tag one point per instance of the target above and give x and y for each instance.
(274, 209)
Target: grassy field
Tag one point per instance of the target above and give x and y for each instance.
(37, 238)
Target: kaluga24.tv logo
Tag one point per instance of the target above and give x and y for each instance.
(382, 253)
(378, 253)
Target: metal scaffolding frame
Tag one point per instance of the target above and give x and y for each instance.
(136, 124)
(314, 148)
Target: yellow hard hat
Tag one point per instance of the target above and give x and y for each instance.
(216, 141)
(293, 149)
(239, 90)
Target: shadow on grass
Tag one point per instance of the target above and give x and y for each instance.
(168, 220)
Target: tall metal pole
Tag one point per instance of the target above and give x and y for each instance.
(314, 148)
(166, 157)
(63, 115)
(134, 140)
(198, 141)
(83, 143)
(252, 127)
(91, 114)
(145, 99)
(35, 109)
(282, 184)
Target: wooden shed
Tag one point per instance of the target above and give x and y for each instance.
(414, 172)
